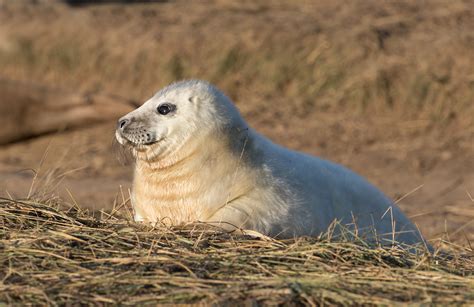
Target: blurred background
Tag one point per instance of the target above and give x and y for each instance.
(383, 87)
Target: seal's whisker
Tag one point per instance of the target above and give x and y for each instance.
(122, 153)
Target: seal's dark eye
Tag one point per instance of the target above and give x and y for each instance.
(165, 108)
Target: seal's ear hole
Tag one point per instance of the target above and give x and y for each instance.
(193, 99)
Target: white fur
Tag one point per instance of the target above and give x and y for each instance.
(208, 165)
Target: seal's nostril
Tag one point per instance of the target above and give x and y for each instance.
(123, 123)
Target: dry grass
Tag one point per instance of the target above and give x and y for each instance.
(52, 256)
(411, 58)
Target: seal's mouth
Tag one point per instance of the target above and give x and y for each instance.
(138, 141)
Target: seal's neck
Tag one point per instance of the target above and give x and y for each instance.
(191, 184)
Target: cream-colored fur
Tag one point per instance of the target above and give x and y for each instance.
(201, 183)
(201, 162)
(189, 185)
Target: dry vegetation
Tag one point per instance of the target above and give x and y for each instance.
(411, 56)
(388, 84)
(52, 256)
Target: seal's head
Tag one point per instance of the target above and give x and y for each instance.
(172, 117)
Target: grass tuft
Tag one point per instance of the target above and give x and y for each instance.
(50, 255)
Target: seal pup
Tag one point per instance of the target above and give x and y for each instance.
(198, 160)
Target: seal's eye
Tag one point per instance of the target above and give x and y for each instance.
(165, 108)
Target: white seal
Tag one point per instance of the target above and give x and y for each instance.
(198, 160)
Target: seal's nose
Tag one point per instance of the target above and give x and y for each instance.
(122, 123)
